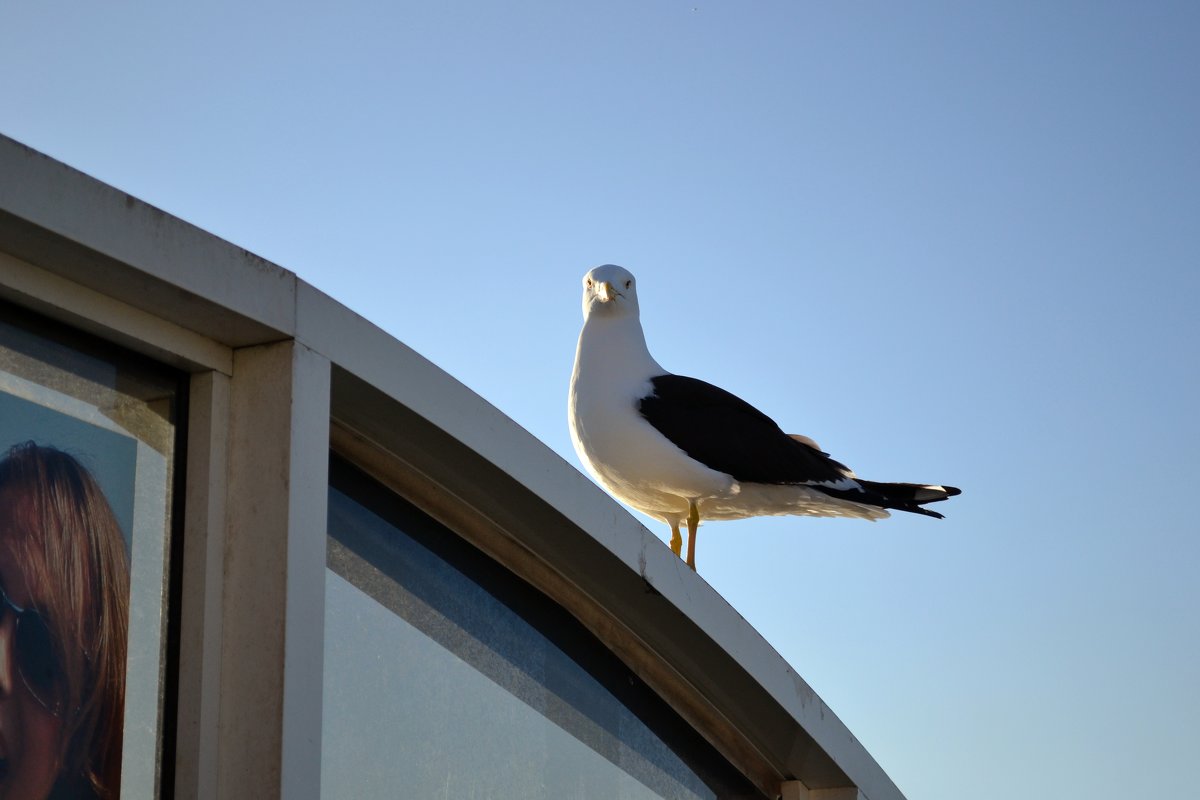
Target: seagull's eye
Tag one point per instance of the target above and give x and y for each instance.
(627, 284)
(589, 283)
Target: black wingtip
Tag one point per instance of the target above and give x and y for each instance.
(909, 497)
(918, 510)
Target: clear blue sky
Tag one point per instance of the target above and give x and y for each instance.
(953, 242)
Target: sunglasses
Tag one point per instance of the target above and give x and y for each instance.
(37, 656)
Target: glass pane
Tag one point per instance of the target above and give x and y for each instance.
(446, 676)
(87, 437)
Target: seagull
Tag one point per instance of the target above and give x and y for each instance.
(680, 450)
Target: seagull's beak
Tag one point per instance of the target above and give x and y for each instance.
(605, 291)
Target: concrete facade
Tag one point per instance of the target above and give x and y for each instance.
(279, 375)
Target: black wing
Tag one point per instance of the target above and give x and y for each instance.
(725, 433)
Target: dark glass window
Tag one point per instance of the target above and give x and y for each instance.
(87, 463)
(447, 676)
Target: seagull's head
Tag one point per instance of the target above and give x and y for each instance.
(610, 291)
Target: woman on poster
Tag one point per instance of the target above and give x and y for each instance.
(64, 597)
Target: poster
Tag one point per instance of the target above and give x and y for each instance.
(83, 522)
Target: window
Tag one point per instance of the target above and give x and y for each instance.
(87, 449)
(447, 676)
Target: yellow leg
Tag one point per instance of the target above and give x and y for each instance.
(693, 521)
(676, 539)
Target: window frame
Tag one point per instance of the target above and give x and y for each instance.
(365, 557)
(60, 334)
